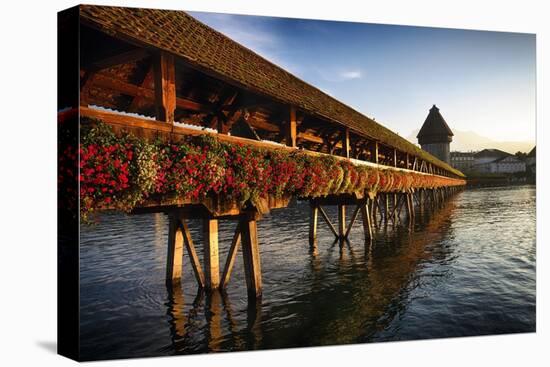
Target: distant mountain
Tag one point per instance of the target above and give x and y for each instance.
(465, 141)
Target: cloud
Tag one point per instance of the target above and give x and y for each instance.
(351, 74)
(339, 74)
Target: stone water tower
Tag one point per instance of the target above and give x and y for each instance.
(435, 136)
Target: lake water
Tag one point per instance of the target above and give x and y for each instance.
(465, 269)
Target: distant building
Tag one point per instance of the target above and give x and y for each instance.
(462, 161)
(497, 161)
(531, 161)
(435, 136)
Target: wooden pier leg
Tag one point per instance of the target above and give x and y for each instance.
(341, 221)
(373, 209)
(421, 201)
(387, 209)
(251, 256)
(313, 225)
(410, 207)
(174, 256)
(211, 255)
(231, 256)
(190, 247)
(395, 204)
(367, 227)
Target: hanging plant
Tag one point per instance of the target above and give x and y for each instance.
(120, 172)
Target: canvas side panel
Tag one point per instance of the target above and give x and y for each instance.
(68, 213)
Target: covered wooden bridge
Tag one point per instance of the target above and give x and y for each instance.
(161, 74)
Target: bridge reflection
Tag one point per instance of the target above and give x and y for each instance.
(341, 307)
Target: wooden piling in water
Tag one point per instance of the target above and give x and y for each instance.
(251, 255)
(174, 257)
(313, 224)
(211, 253)
(367, 219)
(193, 257)
(231, 256)
(341, 221)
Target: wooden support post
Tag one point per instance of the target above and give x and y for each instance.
(190, 247)
(251, 256)
(394, 157)
(353, 218)
(174, 255)
(387, 209)
(341, 221)
(409, 209)
(291, 129)
(376, 152)
(367, 228)
(313, 225)
(211, 254)
(345, 143)
(395, 204)
(231, 256)
(373, 208)
(165, 86)
(328, 222)
(342, 208)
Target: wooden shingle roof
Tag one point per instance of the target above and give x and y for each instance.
(217, 55)
(434, 129)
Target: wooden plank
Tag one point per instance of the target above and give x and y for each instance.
(231, 256)
(211, 254)
(164, 70)
(174, 256)
(251, 256)
(190, 247)
(327, 220)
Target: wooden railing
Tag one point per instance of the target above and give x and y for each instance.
(152, 129)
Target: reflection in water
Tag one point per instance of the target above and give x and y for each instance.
(466, 268)
(216, 306)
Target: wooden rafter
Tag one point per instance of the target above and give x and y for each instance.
(138, 100)
(122, 58)
(123, 87)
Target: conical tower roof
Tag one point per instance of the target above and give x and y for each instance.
(435, 129)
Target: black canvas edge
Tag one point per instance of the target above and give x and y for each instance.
(68, 305)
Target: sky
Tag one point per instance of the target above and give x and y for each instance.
(483, 82)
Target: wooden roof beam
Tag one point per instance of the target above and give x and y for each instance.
(122, 58)
(123, 87)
